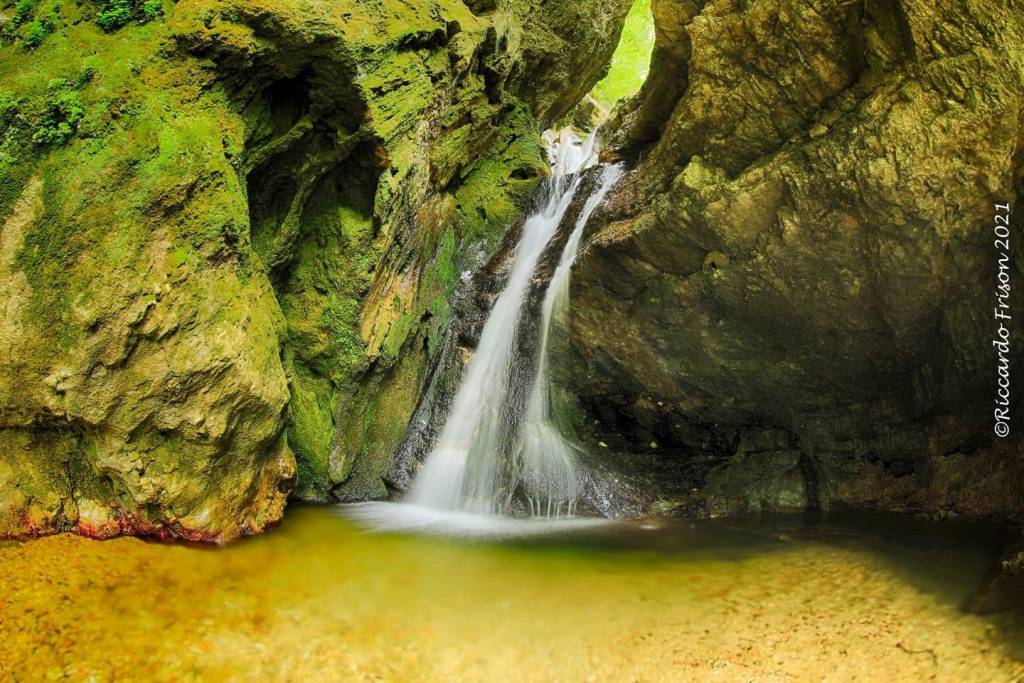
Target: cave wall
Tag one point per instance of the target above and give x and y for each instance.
(788, 303)
(227, 258)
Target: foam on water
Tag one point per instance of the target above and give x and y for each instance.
(411, 518)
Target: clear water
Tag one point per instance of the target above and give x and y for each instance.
(319, 599)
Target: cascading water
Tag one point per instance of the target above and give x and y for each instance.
(489, 447)
(472, 468)
(548, 461)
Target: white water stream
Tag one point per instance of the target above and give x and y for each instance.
(488, 448)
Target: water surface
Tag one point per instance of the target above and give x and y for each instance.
(780, 599)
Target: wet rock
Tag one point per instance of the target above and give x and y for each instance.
(1004, 590)
(805, 246)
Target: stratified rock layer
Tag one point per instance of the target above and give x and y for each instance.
(789, 303)
(229, 236)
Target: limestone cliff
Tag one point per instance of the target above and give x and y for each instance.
(789, 302)
(229, 232)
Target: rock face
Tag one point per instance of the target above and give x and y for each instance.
(230, 234)
(230, 238)
(789, 302)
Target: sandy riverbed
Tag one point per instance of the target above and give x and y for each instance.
(317, 599)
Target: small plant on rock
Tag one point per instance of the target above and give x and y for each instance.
(61, 116)
(8, 109)
(85, 75)
(38, 30)
(23, 11)
(152, 9)
(117, 13)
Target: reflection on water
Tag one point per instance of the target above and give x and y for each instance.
(320, 598)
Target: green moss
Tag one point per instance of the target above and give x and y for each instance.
(344, 348)
(322, 297)
(399, 332)
(8, 109)
(501, 182)
(312, 429)
(372, 427)
(47, 258)
(632, 59)
(443, 273)
(331, 270)
(13, 176)
(402, 90)
(179, 257)
(439, 283)
(16, 151)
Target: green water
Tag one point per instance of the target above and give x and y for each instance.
(785, 598)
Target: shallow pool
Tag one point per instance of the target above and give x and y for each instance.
(774, 599)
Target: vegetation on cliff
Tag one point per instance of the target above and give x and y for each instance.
(229, 230)
(632, 59)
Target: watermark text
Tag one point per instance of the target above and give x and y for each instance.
(1002, 318)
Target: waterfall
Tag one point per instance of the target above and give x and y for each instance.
(487, 448)
(548, 462)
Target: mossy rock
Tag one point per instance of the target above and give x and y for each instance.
(216, 240)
